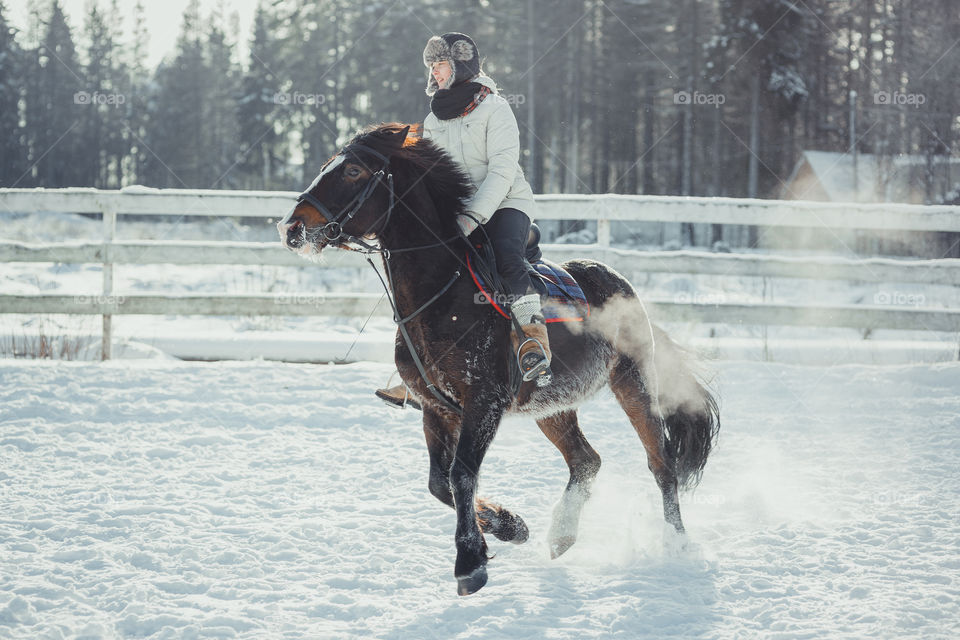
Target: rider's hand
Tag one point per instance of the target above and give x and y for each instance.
(467, 224)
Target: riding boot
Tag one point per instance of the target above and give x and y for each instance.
(533, 352)
(397, 396)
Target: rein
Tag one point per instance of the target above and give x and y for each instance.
(334, 234)
(402, 325)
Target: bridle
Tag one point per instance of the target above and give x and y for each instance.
(333, 231)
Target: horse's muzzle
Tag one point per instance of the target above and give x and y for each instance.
(293, 235)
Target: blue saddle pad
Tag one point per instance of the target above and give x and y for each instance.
(562, 299)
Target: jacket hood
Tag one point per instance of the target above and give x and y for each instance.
(486, 81)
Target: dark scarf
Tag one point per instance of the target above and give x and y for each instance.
(454, 102)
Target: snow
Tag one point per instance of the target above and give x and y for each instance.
(151, 497)
(167, 499)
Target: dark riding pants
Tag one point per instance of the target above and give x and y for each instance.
(508, 229)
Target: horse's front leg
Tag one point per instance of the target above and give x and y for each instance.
(481, 418)
(442, 433)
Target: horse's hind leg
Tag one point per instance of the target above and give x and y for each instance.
(564, 432)
(631, 392)
(442, 437)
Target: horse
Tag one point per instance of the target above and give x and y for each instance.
(391, 192)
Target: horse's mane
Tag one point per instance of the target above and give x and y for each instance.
(417, 159)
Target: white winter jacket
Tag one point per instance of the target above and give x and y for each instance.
(486, 142)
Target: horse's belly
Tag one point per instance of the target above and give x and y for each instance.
(568, 390)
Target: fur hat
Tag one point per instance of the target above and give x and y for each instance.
(459, 50)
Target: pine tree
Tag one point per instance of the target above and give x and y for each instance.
(94, 128)
(12, 159)
(770, 40)
(322, 66)
(137, 107)
(261, 152)
(176, 137)
(56, 149)
(221, 132)
(118, 142)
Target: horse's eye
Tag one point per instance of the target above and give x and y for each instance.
(352, 172)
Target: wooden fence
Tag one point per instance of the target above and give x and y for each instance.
(603, 209)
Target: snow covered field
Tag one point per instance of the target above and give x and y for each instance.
(166, 499)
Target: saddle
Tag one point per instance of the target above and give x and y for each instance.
(561, 298)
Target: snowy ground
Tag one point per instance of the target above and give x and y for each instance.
(166, 499)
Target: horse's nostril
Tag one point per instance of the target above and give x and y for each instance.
(295, 234)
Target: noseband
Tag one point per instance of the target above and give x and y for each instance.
(333, 231)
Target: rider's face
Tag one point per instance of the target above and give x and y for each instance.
(441, 72)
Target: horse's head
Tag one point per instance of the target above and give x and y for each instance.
(352, 197)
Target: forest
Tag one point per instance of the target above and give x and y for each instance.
(679, 97)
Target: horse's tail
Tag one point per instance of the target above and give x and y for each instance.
(689, 409)
(668, 374)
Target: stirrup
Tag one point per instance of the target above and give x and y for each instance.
(393, 401)
(538, 369)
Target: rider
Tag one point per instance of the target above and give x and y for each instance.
(471, 121)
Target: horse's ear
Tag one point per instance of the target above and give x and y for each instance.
(399, 137)
(413, 134)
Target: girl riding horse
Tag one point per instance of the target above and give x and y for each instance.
(397, 197)
(470, 120)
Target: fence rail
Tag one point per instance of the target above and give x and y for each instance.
(364, 304)
(944, 271)
(602, 208)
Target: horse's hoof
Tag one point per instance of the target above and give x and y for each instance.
(522, 531)
(675, 542)
(472, 582)
(505, 526)
(559, 546)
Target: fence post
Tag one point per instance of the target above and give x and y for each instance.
(603, 238)
(603, 233)
(109, 210)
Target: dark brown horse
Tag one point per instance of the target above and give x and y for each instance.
(397, 195)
